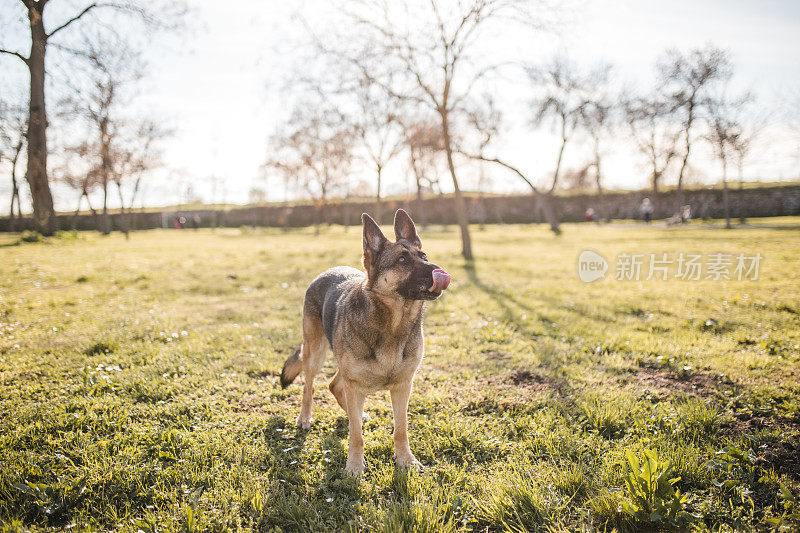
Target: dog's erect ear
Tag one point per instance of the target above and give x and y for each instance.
(404, 228)
(373, 236)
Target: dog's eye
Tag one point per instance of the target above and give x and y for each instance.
(401, 259)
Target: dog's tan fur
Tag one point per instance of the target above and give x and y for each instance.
(377, 339)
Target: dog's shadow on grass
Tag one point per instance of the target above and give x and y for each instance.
(334, 491)
(284, 443)
(335, 454)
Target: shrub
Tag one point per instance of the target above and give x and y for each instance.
(653, 497)
(30, 236)
(71, 235)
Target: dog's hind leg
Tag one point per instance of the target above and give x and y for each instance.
(314, 350)
(336, 386)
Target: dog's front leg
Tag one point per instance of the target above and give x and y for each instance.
(355, 411)
(402, 452)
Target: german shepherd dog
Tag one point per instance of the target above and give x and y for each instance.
(372, 322)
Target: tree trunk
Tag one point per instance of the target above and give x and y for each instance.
(105, 169)
(125, 215)
(742, 218)
(378, 206)
(558, 163)
(598, 182)
(420, 215)
(725, 201)
(12, 226)
(655, 179)
(74, 222)
(544, 202)
(421, 206)
(461, 208)
(346, 206)
(679, 193)
(12, 221)
(688, 147)
(105, 219)
(89, 203)
(44, 215)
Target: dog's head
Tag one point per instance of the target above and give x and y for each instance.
(400, 267)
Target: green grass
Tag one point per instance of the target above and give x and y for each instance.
(139, 389)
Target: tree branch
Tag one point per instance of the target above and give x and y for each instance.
(73, 19)
(505, 165)
(9, 52)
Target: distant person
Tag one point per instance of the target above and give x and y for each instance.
(647, 210)
(176, 223)
(590, 215)
(686, 213)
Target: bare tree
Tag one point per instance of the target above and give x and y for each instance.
(599, 120)
(686, 79)
(120, 146)
(579, 178)
(315, 153)
(76, 170)
(257, 196)
(378, 129)
(42, 33)
(563, 101)
(102, 99)
(653, 129)
(743, 147)
(138, 154)
(426, 52)
(425, 146)
(487, 125)
(13, 124)
(724, 133)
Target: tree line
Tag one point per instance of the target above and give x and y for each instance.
(407, 80)
(406, 83)
(106, 144)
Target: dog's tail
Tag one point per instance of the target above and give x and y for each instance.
(291, 368)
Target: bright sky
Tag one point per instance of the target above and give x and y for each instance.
(222, 86)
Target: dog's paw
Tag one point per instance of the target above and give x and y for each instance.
(409, 463)
(354, 468)
(304, 423)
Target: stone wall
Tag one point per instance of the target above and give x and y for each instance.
(706, 203)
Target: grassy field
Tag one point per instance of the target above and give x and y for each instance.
(139, 389)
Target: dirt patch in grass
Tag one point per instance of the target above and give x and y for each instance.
(529, 381)
(749, 423)
(783, 457)
(665, 381)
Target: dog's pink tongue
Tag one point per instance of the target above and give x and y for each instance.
(441, 280)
